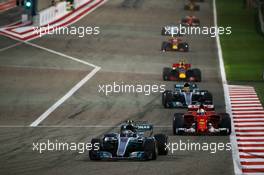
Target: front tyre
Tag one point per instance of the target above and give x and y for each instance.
(226, 123)
(178, 122)
(162, 141)
(166, 73)
(150, 149)
(197, 74)
(93, 153)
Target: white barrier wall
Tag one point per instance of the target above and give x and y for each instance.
(78, 3)
(61, 9)
(51, 14)
(46, 16)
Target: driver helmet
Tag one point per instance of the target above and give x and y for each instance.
(127, 133)
(201, 111)
(182, 63)
(186, 84)
(130, 127)
(186, 87)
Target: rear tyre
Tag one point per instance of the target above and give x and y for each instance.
(178, 122)
(167, 98)
(150, 149)
(197, 8)
(183, 47)
(162, 140)
(197, 74)
(163, 31)
(208, 98)
(226, 123)
(165, 46)
(166, 73)
(93, 153)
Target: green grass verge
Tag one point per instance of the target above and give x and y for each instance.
(243, 50)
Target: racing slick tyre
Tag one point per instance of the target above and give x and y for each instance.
(164, 46)
(93, 152)
(167, 98)
(197, 8)
(162, 140)
(208, 98)
(186, 7)
(178, 122)
(183, 47)
(166, 73)
(197, 74)
(163, 31)
(225, 123)
(150, 149)
(204, 97)
(190, 76)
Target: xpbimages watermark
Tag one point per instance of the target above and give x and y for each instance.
(72, 30)
(56, 145)
(121, 87)
(197, 30)
(197, 146)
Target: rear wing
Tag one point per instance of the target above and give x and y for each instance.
(176, 65)
(196, 107)
(143, 126)
(180, 86)
(140, 126)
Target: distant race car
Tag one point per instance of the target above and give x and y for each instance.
(172, 30)
(191, 6)
(198, 0)
(182, 72)
(190, 21)
(132, 142)
(186, 94)
(175, 44)
(201, 120)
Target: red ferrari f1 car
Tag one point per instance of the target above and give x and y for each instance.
(182, 72)
(190, 21)
(200, 120)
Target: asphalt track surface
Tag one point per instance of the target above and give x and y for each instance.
(11, 15)
(128, 50)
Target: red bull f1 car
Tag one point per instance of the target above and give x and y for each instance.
(175, 44)
(190, 21)
(182, 72)
(198, 0)
(135, 141)
(186, 94)
(201, 120)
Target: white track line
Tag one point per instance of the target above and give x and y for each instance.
(250, 143)
(249, 115)
(255, 128)
(246, 102)
(69, 93)
(11, 46)
(235, 153)
(247, 107)
(60, 54)
(65, 97)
